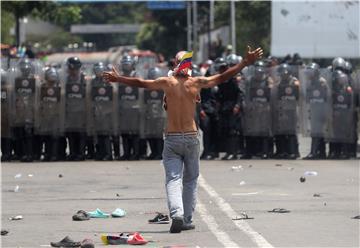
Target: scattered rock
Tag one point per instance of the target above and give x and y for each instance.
(60, 175)
(316, 195)
(302, 179)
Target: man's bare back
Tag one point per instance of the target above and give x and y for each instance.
(181, 98)
(182, 91)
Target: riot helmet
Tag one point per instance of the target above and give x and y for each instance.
(3, 76)
(195, 71)
(284, 71)
(73, 63)
(98, 69)
(259, 70)
(233, 59)
(154, 73)
(51, 75)
(220, 64)
(26, 67)
(338, 64)
(313, 70)
(348, 67)
(127, 64)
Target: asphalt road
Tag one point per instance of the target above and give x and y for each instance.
(47, 203)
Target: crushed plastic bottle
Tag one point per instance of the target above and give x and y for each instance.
(17, 187)
(17, 217)
(242, 183)
(18, 175)
(310, 173)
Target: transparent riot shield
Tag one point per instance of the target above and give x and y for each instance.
(129, 106)
(25, 76)
(154, 114)
(74, 88)
(285, 103)
(257, 107)
(101, 107)
(6, 110)
(49, 114)
(342, 113)
(315, 102)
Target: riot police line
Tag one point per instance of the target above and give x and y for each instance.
(70, 113)
(261, 112)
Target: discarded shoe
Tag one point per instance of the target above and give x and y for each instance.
(243, 216)
(81, 215)
(66, 242)
(136, 239)
(4, 232)
(118, 213)
(355, 217)
(87, 243)
(114, 240)
(160, 219)
(98, 214)
(176, 225)
(279, 210)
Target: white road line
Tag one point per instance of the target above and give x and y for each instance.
(226, 208)
(220, 235)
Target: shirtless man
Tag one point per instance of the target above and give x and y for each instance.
(182, 144)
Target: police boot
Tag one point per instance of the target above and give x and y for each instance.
(135, 143)
(312, 154)
(334, 152)
(27, 150)
(54, 149)
(126, 148)
(90, 148)
(345, 151)
(80, 152)
(5, 149)
(293, 147)
(107, 150)
(116, 147)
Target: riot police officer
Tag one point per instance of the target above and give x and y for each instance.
(232, 60)
(316, 112)
(26, 148)
(153, 120)
(229, 99)
(257, 116)
(285, 117)
(75, 109)
(49, 115)
(101, 113)
(6, 134)
(342, 125)
(129, 113)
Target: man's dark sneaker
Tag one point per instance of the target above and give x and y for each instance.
(4, 232)
(187, 226)
(81, 215)
(176, 225)
(160, 219)
(66, 242)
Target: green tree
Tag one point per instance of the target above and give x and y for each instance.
(7, 22)
(167, 33)
(19, 9)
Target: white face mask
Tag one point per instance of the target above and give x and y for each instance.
(172, 73)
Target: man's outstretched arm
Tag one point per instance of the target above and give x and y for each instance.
(114, 76)
(251, 57)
